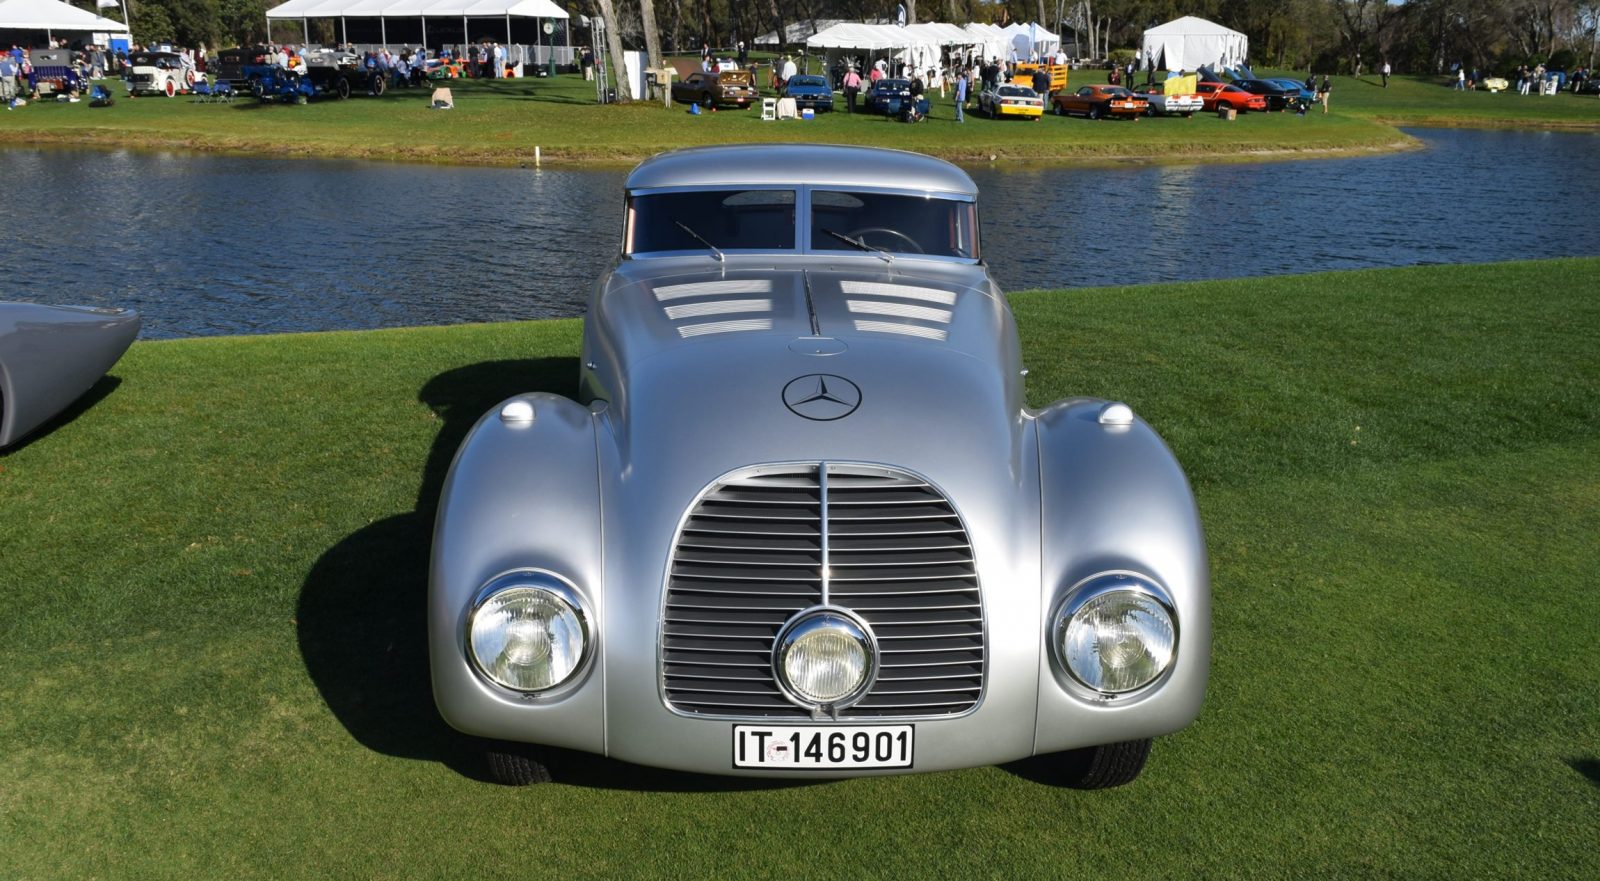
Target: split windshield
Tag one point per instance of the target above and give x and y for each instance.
(766, 220)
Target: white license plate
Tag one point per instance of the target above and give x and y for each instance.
(822, 746)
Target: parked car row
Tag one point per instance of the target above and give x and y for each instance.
(891, 96)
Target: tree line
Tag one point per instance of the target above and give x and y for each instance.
(1337, 36)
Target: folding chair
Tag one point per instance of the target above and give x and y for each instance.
(442, 99)
(201, 90)
(769, 109)
(222, 91)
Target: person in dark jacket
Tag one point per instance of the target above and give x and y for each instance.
(1041, 83)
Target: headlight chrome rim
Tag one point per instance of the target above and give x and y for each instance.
(550, 583)
(810, 621)
(1100, 585)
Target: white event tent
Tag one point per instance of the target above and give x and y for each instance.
(51, 16)
(991, 40)
(412, 11)
(919, 45)
(1031, 40)
(1189, 42)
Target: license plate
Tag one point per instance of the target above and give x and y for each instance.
(822, 746)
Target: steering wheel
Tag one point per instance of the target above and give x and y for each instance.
(861, 233)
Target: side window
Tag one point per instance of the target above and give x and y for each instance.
(1085, 91)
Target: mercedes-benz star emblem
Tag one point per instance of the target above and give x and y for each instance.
(822, 396)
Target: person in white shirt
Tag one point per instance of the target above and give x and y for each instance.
(789, 69)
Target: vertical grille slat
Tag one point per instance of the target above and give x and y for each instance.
(755, 550)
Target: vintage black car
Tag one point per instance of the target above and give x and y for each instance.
(341, 75)
(238, 66)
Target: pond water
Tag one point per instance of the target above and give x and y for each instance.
(206, 245)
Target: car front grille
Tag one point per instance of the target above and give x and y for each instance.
(752, 553)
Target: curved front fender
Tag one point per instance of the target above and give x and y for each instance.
(519, 496)
(1113, 497)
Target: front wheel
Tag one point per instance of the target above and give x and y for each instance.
(170, 89)
(705, 102)
(341, 87)
(1099, 767)
(256, 89)
(517, 764)
(379, 85)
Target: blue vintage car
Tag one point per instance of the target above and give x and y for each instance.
(892, 97)
(809, 90)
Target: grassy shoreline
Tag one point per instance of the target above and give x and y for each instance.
(501, 123)
(214, 664)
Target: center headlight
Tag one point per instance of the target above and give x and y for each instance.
(824, 659)
(1116, 634)
(528, 632)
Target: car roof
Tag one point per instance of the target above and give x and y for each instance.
(800, 164)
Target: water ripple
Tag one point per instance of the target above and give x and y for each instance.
(207, 245)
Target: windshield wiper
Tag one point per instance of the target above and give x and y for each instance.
(887, 257)
(702, 240)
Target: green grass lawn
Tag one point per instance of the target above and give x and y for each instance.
(212, 661)
(501, 121)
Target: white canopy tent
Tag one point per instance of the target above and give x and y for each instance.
(305, 10)
(1189, 42)
(920, 46)
(990, 41)
(52, 15)
(1031, 40)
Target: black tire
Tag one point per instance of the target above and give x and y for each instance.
(1095, 112)
(341, 87)
(1189, 115)
(706, 103)
(380, 84)
(256, 90)
(1060, 110)
(517, 764)
(1100, 767)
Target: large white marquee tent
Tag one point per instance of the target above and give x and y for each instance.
(409, 11)
(1188, 43)
(51, 16)
(919, 45)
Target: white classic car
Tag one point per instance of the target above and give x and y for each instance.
(159, 73)
(800, 521)
(1161, 104)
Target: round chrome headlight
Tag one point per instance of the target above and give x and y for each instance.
(1116, 634)
(824, 659)
(528, 632)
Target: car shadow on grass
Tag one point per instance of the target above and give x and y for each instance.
(1588, 767)
(98, 392)
(362, 616)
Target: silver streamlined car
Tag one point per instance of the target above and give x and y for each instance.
(801, 522)
(51, 355)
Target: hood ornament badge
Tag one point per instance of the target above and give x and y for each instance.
(822, 397)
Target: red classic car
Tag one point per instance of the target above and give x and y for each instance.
(1218, 95)
(1097, 102)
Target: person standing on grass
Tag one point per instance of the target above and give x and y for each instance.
(961, 96)
(1386, 71)
(852, 87)
(1323, 91)
(8, 81)
(1461, 77)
